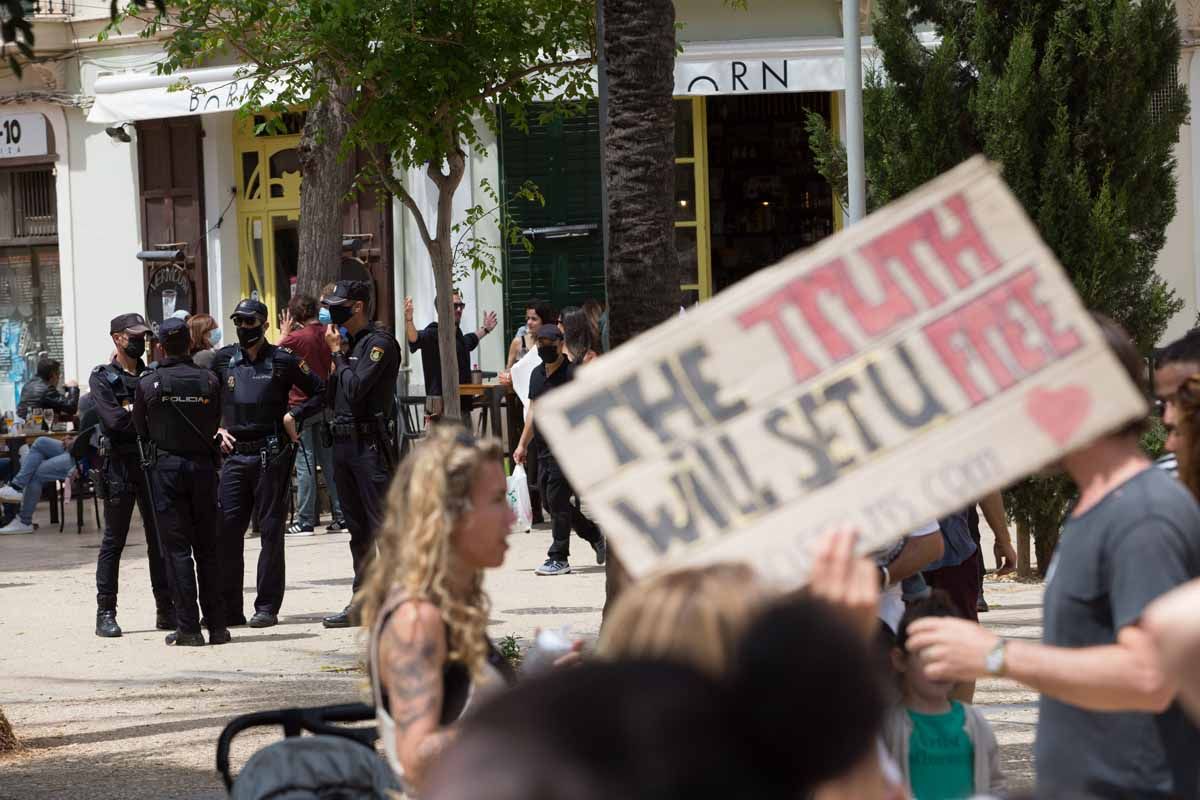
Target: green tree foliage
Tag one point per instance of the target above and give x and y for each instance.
(1079, 103)
(429, 77)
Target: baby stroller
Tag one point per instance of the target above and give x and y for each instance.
(338, 762)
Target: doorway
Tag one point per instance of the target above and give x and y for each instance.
(268, 204)
(766, 198)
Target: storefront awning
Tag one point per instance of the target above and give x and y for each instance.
(758, 67)
(131, 97)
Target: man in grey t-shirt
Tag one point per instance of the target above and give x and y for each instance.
(1109, 725)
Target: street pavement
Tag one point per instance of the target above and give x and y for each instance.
(131, 718)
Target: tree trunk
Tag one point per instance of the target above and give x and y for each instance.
(642, 274)
(441, 254)
(1024, 566)
(327, 179)
(1045, 541)
(8, 739)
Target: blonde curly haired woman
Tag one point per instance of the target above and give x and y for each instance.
(423, 600)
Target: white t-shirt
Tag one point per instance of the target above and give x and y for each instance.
(891, 601)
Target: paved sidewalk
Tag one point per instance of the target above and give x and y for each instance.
(131, 718)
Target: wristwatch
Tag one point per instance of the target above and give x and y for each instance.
(994, 662)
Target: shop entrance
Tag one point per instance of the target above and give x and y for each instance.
(766, 198)
(269, 208)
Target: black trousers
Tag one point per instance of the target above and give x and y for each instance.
(362, 473)
(185, 495)
(125, 488)
(247, 488)
(564, 515)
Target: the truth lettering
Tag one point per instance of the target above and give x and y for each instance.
(832, 281)
(1005, 335)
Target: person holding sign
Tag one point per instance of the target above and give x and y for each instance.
(555, 490)
(1108, 722)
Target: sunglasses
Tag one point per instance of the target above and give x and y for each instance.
(460, 306)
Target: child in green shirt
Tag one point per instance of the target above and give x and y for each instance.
(945, 749)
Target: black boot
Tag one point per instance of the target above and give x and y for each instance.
(106, 616)
(346, 618)
(181, 639)
(164, 618)
(106, 623)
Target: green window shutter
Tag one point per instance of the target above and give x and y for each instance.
(563, 158)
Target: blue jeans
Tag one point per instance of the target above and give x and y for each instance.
(47, 460)
(306, 479)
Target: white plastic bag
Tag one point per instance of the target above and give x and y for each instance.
(518, 498)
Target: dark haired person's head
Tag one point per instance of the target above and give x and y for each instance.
(303, 308)
(580, 333)
(814, 691)
(177, 346)
(1173, 365)
(1185, 432)
(915, 684)
(49, 370)
(1127, 355)
(537, 314)
(630, 730)
(593, 309)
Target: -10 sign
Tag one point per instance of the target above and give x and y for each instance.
(23, 135)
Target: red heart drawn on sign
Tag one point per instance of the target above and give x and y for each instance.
(1059, 412)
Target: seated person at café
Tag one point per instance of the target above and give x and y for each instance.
(426, 341)
(48, 459)
(42, 392)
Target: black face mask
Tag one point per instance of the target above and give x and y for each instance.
(248, 337)
(340, 314)
(548, 353)
(135, 348)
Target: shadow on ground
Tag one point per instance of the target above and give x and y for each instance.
(149, 750)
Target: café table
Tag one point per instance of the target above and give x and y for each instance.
(491, 395)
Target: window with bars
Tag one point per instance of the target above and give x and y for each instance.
(27, 204)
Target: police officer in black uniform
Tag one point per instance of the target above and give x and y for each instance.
(121, 483)
(177, 410)
(258, 436)
(363, 387)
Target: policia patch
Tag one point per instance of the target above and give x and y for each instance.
(376, 353)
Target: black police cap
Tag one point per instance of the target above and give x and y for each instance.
(170, 327)
(131, 323)
(250, 308)
(348, 292)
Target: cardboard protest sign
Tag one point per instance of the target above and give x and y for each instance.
(884, 378)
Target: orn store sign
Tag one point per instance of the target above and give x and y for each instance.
(815, 73)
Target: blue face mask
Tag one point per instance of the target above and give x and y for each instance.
(214, 336)
(323, 316)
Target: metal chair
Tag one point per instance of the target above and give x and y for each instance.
(412, 420)
(84, 488)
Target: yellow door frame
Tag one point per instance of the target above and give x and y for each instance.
(699, 162)
(256, 207)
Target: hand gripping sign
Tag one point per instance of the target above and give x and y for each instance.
(888, 376)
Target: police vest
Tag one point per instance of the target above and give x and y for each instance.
(184, 419)
(256, 400)
(123, 386)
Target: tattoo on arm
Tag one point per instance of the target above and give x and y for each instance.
(414, 679)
